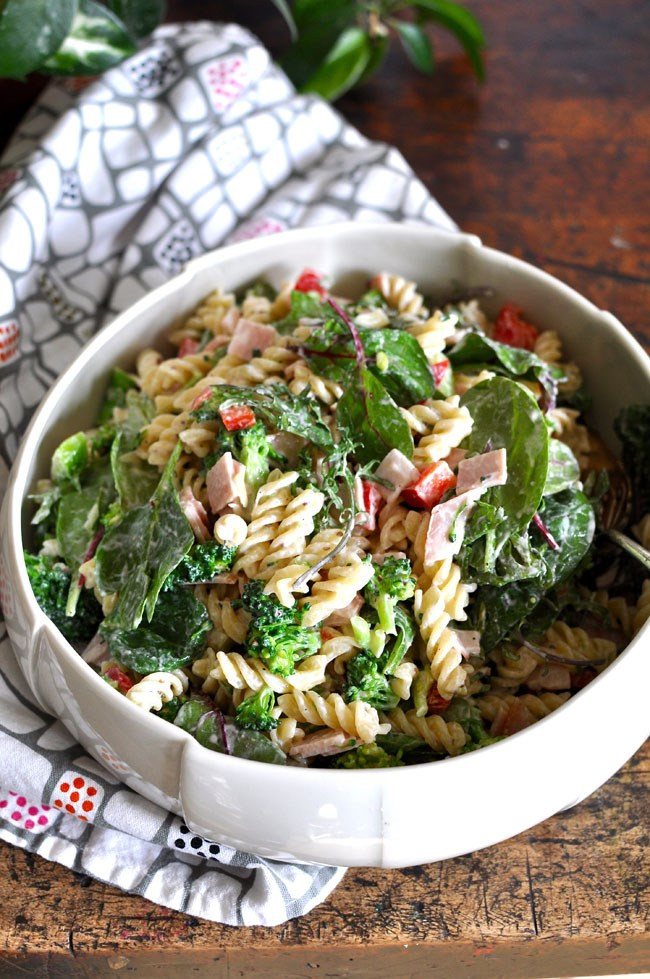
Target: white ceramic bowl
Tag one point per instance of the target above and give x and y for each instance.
(388, 817)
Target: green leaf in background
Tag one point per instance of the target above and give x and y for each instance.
(416, 44)
(319, 23)
(459, 21)
(343, 66)
(31, 31)
(378, 53)
(140, 17)
(285, 10)
(97, 41)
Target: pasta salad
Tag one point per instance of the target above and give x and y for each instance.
(343, 532)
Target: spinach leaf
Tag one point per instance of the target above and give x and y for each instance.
(632, 426)
(496, 610)
(135, 479)
(119, 383)
(70, 459)
(304, 305)
(191, 713)
(563, 468)
(175, 636)
(368, 411)
(79, 513)
(140, 410)
(136, 555)
(477, 351)
(217, 734)
(254, 746)
(506, 415)
(276, 406)
(402, 366)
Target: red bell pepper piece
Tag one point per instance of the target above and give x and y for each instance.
(200, 398)
(431, 485)
(436, 703)
(237, 417)
(309, 281)
(371, 498)
(118, 676)
(511, 328)
(439, 370)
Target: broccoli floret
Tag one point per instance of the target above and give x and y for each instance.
(366, 681)
(254, 452)
(367, 756)
(252, 448)
(254, 713)
(203, 562)
(405, 633)
(70, 459)
(469, 717)
(169, 710)
(276, 634)
(51, 584)
(391, 583)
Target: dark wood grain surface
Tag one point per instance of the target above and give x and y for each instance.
(549, 161)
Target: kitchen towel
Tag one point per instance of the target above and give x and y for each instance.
(107, 189)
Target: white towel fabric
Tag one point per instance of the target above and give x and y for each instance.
(106, 190)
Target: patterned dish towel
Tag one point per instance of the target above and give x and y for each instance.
(107, 189)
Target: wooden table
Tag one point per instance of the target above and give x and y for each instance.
(548, 160)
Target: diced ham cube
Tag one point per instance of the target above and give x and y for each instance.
(482, 471)
(195, 513)
(447, 519)
(454, 457)
(323, 743)
(469, 642)
(395, 468)
(343, 615)
(250, 337)
(549, 676)
(230, 320)
(510, 719)
(226, 483)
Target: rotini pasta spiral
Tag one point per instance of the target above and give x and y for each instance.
(267, 514)
(400, 293)
(442, 736)
(442, 426)
(357, 719)
(208, 315)
(433, 333)
(244, 673)
(156, 689)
